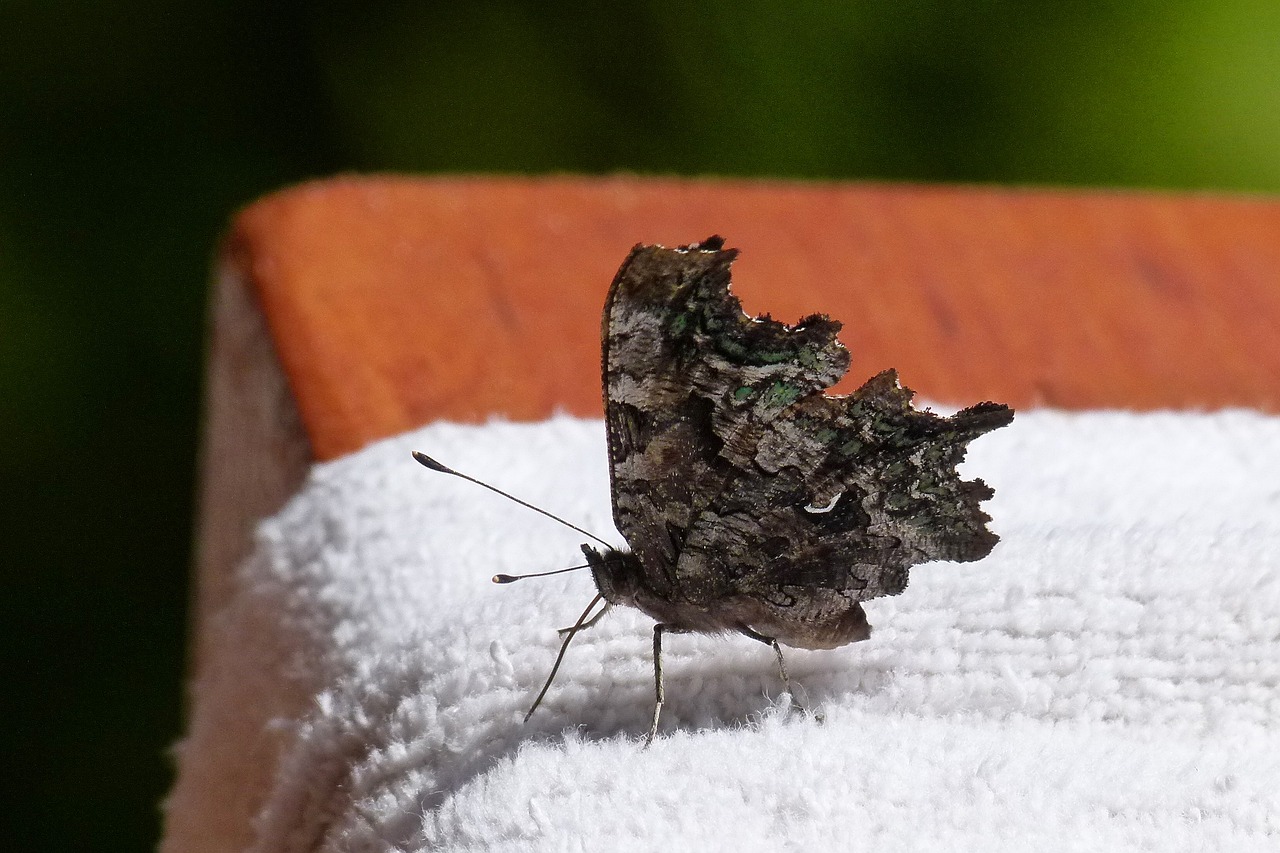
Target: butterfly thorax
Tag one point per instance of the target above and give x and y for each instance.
(620, 577)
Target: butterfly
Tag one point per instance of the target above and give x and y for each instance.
(751, 501)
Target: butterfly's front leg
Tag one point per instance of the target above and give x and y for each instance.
(782, 667)
(589, 623)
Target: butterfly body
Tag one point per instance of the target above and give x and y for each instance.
(752, 501)
(620, 579)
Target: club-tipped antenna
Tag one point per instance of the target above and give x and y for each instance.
(564, 647)
(445, 469)
(514, 578)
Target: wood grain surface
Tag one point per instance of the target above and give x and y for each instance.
(394, 301)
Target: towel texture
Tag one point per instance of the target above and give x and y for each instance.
(1108, 679)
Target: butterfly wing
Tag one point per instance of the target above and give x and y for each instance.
(664, 457)
(735, 477)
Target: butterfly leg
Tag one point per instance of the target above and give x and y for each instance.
(590, 622)
(782, 667)
(564, 647)
(659, 695)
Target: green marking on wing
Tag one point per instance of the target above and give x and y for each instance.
(779, 394)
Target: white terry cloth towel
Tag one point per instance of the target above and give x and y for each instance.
(1108, 679)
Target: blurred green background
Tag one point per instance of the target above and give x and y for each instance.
(130, 130)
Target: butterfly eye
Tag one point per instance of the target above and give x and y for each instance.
(810, 508)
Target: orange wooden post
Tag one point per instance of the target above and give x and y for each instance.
(352, 309)
(397, 301)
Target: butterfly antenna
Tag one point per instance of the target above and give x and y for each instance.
(514, 578)
(445, 469)
(564, 647)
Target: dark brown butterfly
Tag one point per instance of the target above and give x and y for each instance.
(753, 502)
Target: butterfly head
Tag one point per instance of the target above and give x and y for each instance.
(617, 574)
